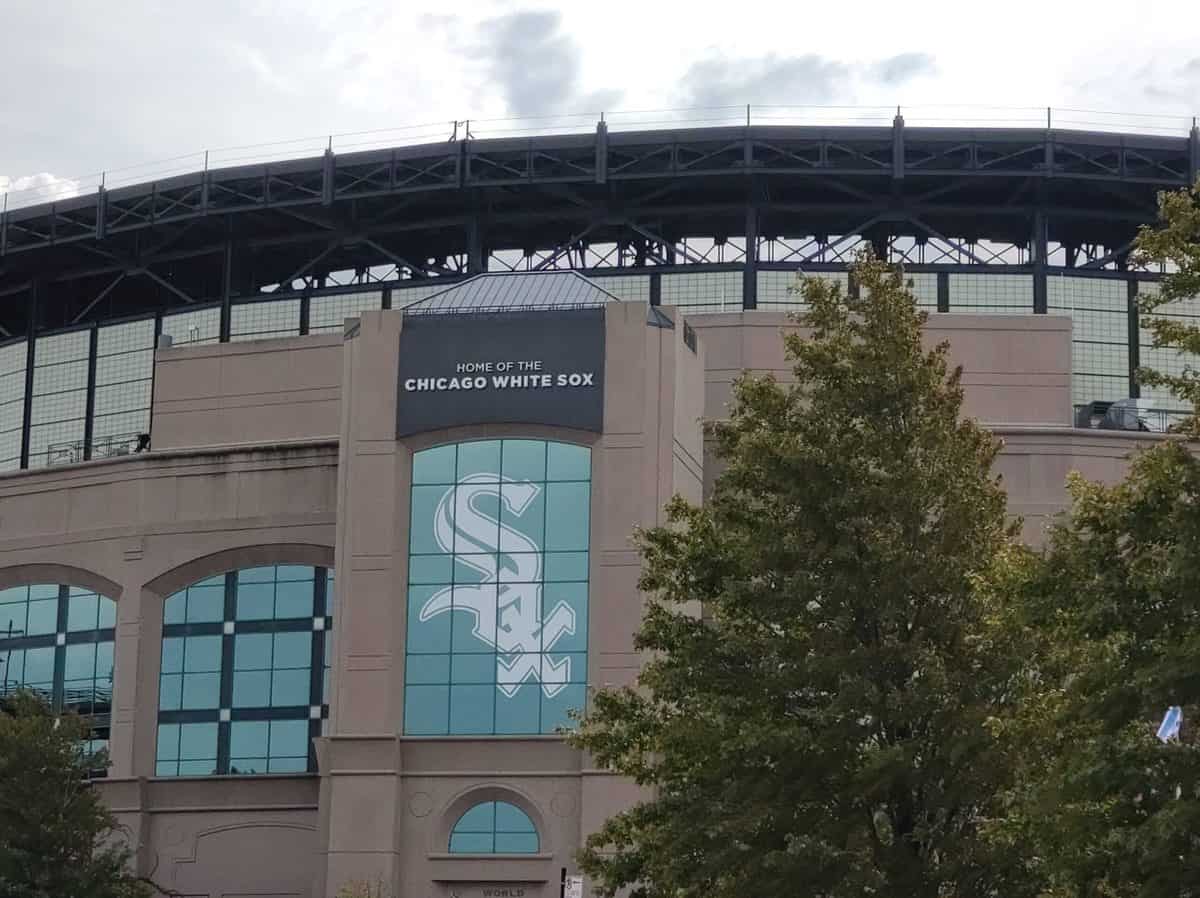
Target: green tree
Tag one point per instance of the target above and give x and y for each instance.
(819, 727)
(57, 839)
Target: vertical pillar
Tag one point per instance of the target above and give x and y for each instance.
(31, 346)
(656, 289)
(227, 287)
(476, 262)
(89, 415)
(1037, 252)
(1134, 337)
(1193, 153)
(305, 308)
(943, 291)
(750, 268)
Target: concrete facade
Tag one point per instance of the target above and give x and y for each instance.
(285, 452)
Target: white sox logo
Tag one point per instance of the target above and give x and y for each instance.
(506, 605)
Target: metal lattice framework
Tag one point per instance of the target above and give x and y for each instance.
(736, 198)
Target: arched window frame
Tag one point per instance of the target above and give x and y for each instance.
(494, 826)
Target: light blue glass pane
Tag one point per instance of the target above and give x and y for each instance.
(484, 532)
(205, 604)
(287, 765)
(252, 651)
(473, 669)
(12, 620)
(567, 509)
(565, 604)
(170, 692)
(472, 626)
(108, 613)
(524, 459)
(425, 710)
(567, 462)
(520, 714)
(168, 742)
(562, 566)
(295, 572)
(207, 767)
(77, 692)
(294, 600)
(421, 569)
(480, 818)
(511, 819)
(471, 843)
(434, 465)
(516, 843)
(104, 663)
(43, 591)
(256, 575)
(172, 654)
(255, 601)
(293, 650)
(175, 608)
(425, 499)
(290, 687)
(427, 669)
(248, 738)
(252, 689)
(520, 567)
(43, 618)
(472, 709)
(12, 670)
(81, 661)
(330, 594)
(215, 580)
(289, 738)
(202, 653)
(201, 691)
(166, 768)
(197, 741)
(39, 666)
(14, 594)
(554, 710)
(83, 613)
(475, 567)
(433, 634)
(575, 664)
(247, 765)
(480, 457)
(523, 508)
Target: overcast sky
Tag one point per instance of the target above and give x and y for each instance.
(91, 86)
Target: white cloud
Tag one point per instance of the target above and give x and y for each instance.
(42, 187)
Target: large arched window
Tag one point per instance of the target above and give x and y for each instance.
(244, 667)
(497, 587)
(58, 641)
(494, 827)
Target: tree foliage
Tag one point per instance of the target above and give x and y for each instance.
(57, 838)
(821, 728)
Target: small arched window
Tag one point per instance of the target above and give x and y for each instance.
(494, 827)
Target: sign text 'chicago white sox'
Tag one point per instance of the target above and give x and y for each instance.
(501, 375)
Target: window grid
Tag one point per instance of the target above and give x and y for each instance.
(497, 640)
(242, 681)
(193, 328)
(494, 827)
(329, 313)
(12, 403)
(264, 320)
(406, 296)
(124, 379)
(1099, 313)
(773, 287)
(706, 291)
(1168, 361)
(991, 294)
(58, 641)
(59, 403)
(630, 287)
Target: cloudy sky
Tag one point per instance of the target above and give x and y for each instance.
(92, 86)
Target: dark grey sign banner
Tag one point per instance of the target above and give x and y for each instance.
(514, 368)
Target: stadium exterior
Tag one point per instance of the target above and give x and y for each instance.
(321, 473)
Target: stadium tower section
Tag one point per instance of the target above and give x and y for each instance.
(321, 473)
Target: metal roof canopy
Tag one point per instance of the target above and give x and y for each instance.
(512, 291)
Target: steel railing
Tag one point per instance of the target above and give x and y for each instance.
(43, 188)
(1110, 416)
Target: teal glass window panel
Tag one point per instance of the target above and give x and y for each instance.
(294, 573)
(572, 599)
(330, 595)
(248, 738)
(247, 766)
(256, 575)
(434, 465)
(205, 767)
(523, 508)
(83, 613)
(202, 653)
(516, 843)
(104, 662)
(251, 688)
(511, 819)
(13, 669)
(14, 594)
(80, 661)
(201, 691)
(472, 709)
(294, 599)
(108, 613)
(170, 692)
(427, 669)
(168, 742)
(433, 634)
(255, 601)
(175, 608)
(471, 843)
(293, 650)
(556, 709)
(197, 741)
(172, 654)
(567, 516)
(205, 604)
(289, 738)
(290, 688)
(520, 567)
(39, 666)
(422, 539)
(472, 623)
(425, 710)
(479, 669)
(576, 666)
(567, 462)
(43, 618)
(479, 457)
(297, 764)
(524, 459)
(252, 651)
(12, 619)
(480, 818)
(43, 591)
(424, 569)
(566, 566)
(520, 713)
(474, 567)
